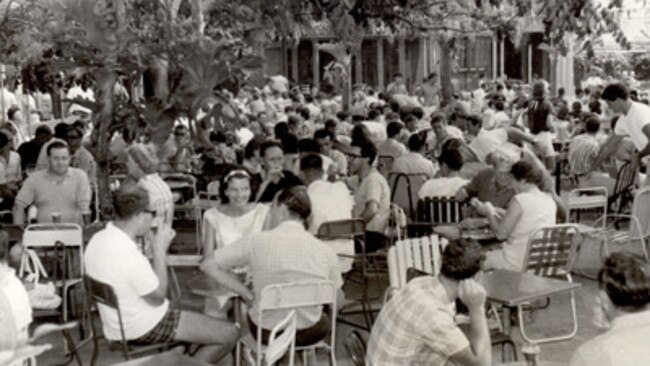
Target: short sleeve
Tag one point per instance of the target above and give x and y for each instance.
(25, 196)
(236, 254)
(443, 335)
(141, 275)
(619, 129)
(373, 191)
(83, 190)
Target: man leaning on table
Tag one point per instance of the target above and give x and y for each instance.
(622, 307)
(113, 257)
(416, 327)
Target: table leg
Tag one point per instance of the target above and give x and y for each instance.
(507, 325)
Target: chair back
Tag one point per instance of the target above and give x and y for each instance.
(385, 164)
(550, 251)
(356, 347)
(278, 345)
(294, 297)
(404, 190)
(625, 178)
(341, 229)
(440, 210)
(46, 236)
(423, 254)
(102, 293)
(641, 210)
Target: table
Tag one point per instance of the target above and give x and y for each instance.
(515, 288)
(169, 358)
(454, 231)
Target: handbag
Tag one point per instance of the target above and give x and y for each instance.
(43, 294)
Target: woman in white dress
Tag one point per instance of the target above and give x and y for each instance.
(529, 210)
(235, 216)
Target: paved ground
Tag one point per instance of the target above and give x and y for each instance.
(550, 321)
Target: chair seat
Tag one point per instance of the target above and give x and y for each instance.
(249, 342)
(578, 202)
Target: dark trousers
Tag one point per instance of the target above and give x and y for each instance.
(374, 242)
(304, 337)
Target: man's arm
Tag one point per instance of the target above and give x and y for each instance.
(515, 134)
(607, 150)
(646, 150)
(160, 244)
(218, 267)
(479, 353)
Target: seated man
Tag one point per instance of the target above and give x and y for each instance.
(58, 189)
(416, 327)
(583, 152)
(285, 254)
(392, 145)
(329, 202)
(273, 178)
(451, 161)
(622, 307)
(371, 198)
(414, 161)
(176, 155)
(113, 257)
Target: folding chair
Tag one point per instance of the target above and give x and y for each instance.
(102, 294)
(356, 347)
(550, 253)
(404, 190)
(625, 179)
(352, 229)
(385, 164)
(587, 199)
(291, 297)
(185, 185)
(286, 341)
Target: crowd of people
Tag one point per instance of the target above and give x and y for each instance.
(301, 160)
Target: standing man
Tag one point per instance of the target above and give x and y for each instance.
(634, 123)
(59, 189)
(397, 86)
(540, 123)
(429, 93)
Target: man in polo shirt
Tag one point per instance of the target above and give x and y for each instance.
(634, 123)
(273, 178)
(59, 189)
(416, 327)
(113, 257)
(622, 306)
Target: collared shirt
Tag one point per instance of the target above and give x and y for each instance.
(285, 254)
(632, 123)
(84, 160)
(583, 151)
(113, 257)
(625, 344)
(414, 163)
(391, 147)
(416, 327)
(373, 187)
(69, 197)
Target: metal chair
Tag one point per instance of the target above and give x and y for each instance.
(356, 347)
(100, 293)
(404, 190)
(285, 341)
(187, 203)
(587, 199)
(353, 229)
(290, 297)
(623, 187)
(550, 253)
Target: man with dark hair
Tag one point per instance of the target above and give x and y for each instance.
(397, 85)
(58, 191)
(330, 201)
(621, 307)
(30, 150)
(417, 327)
(392, 146)
(372, 197)
(540, 123)
(441, 133)
(273, 177)
(583, 152)
(113, 257)
(429, 93)
(414, 161)
(634, 123)
(60, 130)
(325, 139)
(451, 162)
(177, 151)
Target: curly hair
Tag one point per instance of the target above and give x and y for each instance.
(462, 259)
(625, 278)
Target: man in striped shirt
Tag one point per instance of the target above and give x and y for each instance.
(583, 154)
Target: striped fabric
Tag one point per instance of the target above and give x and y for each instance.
(439, 210)
(583, 151)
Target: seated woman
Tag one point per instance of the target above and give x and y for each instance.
(236, 216)
(529, 210)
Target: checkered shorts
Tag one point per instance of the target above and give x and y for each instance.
(163, 332)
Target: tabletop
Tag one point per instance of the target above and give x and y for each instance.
(453, 232)
(170, 358)
(203, 285)
(513, 288)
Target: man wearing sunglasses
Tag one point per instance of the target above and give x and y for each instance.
(177, 151)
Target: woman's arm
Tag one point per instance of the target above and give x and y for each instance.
(502, 229)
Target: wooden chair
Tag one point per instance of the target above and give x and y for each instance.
(102, 294)
(550, 253)
(290, 297)
(432, 211)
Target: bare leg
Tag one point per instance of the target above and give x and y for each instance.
(218, 337)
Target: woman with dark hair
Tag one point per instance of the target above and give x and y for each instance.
(252, 161)
(236, 215)
(529, 210)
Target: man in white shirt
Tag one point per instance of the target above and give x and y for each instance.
(451, 161)
(414, 161)
(114, 257)
(622, 307)
(392, 146)
(634, 123)
(441, 133)
(329, 202)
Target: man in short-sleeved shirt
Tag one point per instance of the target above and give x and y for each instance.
(58, 188)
